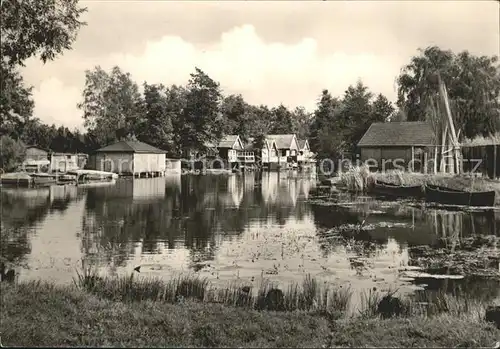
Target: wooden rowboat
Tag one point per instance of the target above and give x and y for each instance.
(394, 190)
(459, 198)
(19, 179)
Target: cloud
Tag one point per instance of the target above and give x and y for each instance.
(269, 73)
(55, 103)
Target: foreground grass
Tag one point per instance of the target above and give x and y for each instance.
(41, 314)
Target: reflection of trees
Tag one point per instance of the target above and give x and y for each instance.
(194, 211)
(22, 208)
(333, 216)
(129, 212)
(14, 244)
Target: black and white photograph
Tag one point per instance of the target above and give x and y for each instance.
(250, 174)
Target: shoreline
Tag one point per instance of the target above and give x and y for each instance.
(43, 314)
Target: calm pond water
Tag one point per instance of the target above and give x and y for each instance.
(228, 228)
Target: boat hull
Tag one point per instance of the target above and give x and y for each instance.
(460, 198)
(19, 179)
(43, 179)
(22, 182)
(438, 187)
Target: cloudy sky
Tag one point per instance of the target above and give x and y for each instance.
(270, 52)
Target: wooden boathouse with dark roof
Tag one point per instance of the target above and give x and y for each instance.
(288, 148)
(130, 158)
(393, 145)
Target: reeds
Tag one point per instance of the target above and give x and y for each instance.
(435, 303)
(369, 303)
(356, 178)
(309, 295)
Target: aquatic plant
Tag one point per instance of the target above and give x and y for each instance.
(87, 276)
(356, 178)
(435, 303)
(369, 302)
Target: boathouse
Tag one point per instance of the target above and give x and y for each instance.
(36, 153)
(305, 156)
(482, 155)
(36, 159)
(63, 162)
(288, 149)
(130, 158)
(267, 155)
(397, 145)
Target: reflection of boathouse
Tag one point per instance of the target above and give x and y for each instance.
(235, 191)
(35, 197)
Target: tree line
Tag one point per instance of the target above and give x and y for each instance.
(175, 118)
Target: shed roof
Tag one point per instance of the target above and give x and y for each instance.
(415, 133)
(227, 142)
(130, 147)
(283, 141)
(37, 148)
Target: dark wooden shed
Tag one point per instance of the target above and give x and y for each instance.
(482, 156)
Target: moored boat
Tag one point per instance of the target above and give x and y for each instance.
(41, 179)
(439, 187)
(92, 175)
(459, 198)
(394, 190)
(96, 184)
(26, 179)
(65, 179)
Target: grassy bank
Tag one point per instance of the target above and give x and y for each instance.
(359, 178)
(131, 313)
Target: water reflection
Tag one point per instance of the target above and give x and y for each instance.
(370, 223)
(191, 212)
(25, 217)
(412, 225)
